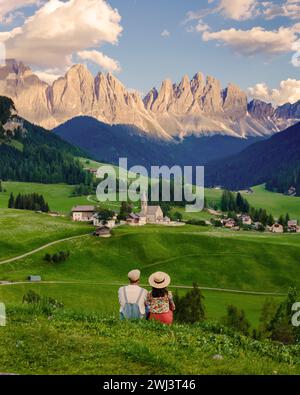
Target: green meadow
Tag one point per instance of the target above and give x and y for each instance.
(89, 279)
(274, 203)
(22, 231)
(70, 343)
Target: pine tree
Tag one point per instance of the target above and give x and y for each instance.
(11, 201)
(270, 220)
(190, 308)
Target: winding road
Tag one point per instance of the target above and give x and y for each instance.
(42, 248)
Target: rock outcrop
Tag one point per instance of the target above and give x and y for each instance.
(199, 106)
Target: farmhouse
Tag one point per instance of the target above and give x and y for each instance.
(111, 223)
(103, 231)
(246, 220)
(136, 220)
(83, 213)
(276, 228)
(293, 226)
(228, 223)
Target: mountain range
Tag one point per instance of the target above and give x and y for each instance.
(193, 107)
(107, 143)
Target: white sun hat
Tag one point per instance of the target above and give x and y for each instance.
(134, 275)
(159, 280)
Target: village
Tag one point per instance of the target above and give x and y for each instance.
(154, 215)
(148, 215)
(245, 222)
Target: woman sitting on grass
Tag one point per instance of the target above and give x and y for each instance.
(160, 301)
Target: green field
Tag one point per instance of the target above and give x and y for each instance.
(89, 280)
(22, 231)
(64, 343)
(58, 196)
(274, 203)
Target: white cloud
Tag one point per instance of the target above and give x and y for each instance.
(100, 59)
(238, 9)
(256, 40)
(231, 9)
(289, 9)
(8, 6)
(59, 29)
(165, 33)
(288, 92)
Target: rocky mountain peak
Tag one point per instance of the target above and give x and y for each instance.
(198, 106)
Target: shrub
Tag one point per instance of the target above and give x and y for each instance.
(61, 256)
(190, 308)
(236, 319)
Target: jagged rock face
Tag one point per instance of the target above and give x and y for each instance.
(235, 102)
(288, 111)
(260, 109)
(198, 106)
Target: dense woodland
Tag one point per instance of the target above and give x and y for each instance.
(285, 179)
(30, 153)
(275, 161)
(32, 201)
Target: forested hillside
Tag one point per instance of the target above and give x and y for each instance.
(275, 161)
(30, 153)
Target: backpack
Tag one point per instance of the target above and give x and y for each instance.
(131, 311)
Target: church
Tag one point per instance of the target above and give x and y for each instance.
(148, 214)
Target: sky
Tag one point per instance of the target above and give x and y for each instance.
(252, 43)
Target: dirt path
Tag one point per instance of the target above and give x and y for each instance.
(7, 283)
(42, 248)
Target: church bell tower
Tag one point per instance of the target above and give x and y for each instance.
(144, 203)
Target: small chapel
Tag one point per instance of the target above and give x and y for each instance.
(147, 215)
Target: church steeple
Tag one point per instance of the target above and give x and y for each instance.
(144, 203)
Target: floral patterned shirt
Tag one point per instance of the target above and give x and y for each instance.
(160, 305)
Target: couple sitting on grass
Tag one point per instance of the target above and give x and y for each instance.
(138, 303)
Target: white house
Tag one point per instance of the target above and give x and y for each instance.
(83, 213)
(111, 223)
(246, 220)
(277, 228)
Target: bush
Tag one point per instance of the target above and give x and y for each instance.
(61, 256)
(190, 308)
(45, 304)
(236, 319)
(194, 221)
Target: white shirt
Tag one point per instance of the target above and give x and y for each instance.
(133, 292)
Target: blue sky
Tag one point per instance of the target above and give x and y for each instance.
(247, 42)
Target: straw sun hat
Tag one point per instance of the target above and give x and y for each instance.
(159, 280)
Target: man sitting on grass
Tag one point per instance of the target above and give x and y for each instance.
(132, 298)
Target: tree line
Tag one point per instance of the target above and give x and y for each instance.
(275, 321)
(284, 179)
(32, 201)
(237, 204)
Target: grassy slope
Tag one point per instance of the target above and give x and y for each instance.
(91, 345)
(221, 259)
(274, 203)
(22, 231)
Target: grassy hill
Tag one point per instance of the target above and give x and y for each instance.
(89, 280)
(80, 344)
(22, 231)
